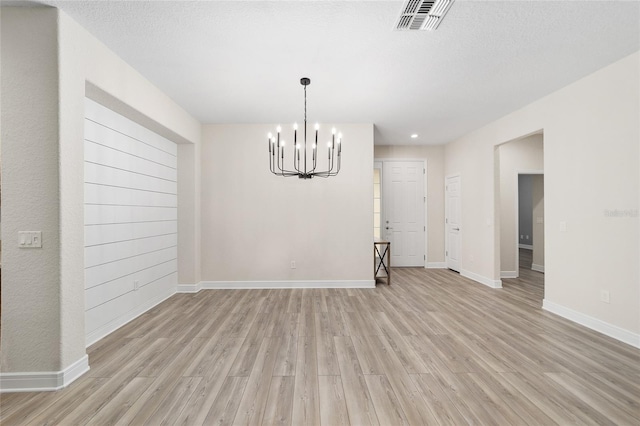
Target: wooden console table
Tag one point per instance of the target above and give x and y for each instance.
(385, 259)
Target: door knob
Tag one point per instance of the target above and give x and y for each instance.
(389, 227)
(456, 229)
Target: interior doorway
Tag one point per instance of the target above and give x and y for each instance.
(530, 213)
(519, 213)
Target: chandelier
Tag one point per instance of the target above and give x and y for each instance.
(299, 150)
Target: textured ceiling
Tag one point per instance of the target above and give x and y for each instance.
(240, 62)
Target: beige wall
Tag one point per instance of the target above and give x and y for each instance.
(254, 223)
(189, 221)
(48, 62)
(538, 223)
(434, 157)
(30, 277)
(516, 156)
(591, 160)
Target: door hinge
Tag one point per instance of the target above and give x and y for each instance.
(425, 257)
(424, 171)
(446, 253)
(425, 199)
(446, 221)
(424, 228)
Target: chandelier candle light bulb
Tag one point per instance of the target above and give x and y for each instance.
(277, 157)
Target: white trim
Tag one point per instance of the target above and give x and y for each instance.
(482, 280)
(112, 326)
(403, 159)
(425, 183)
(209, 285)
(189, 288)
(538, 268)
(436, 265)
(525, 246)
(508, 274)
(596, 324)
(43, 381)
(446, 217)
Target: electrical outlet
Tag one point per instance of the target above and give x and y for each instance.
(526, 237)
(293, 264)
(604, 296)
(136, 285)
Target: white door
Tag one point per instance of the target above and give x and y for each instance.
(452, 223)
(403, 197)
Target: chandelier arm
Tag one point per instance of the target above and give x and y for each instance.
(278, 155)
(331, 161)
(281, 170)
(293, 150)
(281, 157)
(297, 167)
(271, 161)
(276, 160)
(315, 159)
(271, 148)
(296, 153)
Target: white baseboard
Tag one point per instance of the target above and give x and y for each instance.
(482, 280)
(436, 265)
(600, 326)
(112, 326)
(43, 381)
(539, 268)
(287, 284)
(525, 246)
(508, 274)
(189, 288)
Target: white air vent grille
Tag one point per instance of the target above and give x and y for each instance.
(422, 14)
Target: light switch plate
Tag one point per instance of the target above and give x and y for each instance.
(30, 239)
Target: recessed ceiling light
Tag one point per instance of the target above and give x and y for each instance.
(413, 136)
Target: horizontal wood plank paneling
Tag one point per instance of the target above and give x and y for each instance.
(111, 310)
(115, 232)
(106, 175)
(105, 253)
(101, 214)
(130, 234)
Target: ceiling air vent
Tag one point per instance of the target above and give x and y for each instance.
(422, 14)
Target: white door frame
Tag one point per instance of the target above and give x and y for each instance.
(378, 165)
(517, 210)
(424, 189)
(446, 215)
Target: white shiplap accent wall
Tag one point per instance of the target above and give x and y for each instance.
(131, 231)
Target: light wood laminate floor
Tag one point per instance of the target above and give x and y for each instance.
(433, 348)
